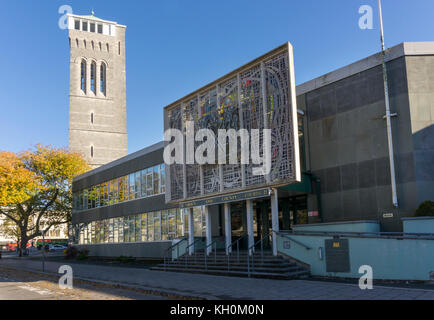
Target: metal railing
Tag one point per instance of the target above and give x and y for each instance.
(230, 247)
(187, 251)
(205, 253)
(166, 253)
(293, 240)
(251, 252)
(355, 234)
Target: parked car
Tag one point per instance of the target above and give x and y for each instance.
(56, 247)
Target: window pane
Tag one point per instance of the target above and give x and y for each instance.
(77, 24)
(88, 199)
(100, 28)
(126, 229)
(115, 191)
(126, 188)
(149, 186)
(179, 224)
(93, 76)
(162, 179)
(137, 182)
(143, 183)
(131, 230)
(110, 230)
(138, 228)
(164, 225)
(97, 232)
(110, 192)
(98, 195)
(81, 234)
(87, 234)
(156, 179)
(157, 226)
(106, 231)
(92, 235)
(84, 26)
(92, 27)
(172, 224)
(144, 227)
(121, 229)
(93, 197)
(115, 230)
(132, 186)
(150, 226)
(121, 189)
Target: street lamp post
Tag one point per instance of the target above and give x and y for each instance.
(388, 115)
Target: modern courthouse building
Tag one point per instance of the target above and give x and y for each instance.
(120, 206)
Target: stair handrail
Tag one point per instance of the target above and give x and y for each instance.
(166, 253)
(231, 246)
(252, 249)
(187, 250)
(292, 239)
(205, 253)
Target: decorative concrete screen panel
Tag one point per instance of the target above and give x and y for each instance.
(259, 95)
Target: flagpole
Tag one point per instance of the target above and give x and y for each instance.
(388, 115)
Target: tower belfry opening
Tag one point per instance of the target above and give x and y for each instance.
(97, 85)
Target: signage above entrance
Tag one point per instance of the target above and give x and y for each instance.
(254, 194)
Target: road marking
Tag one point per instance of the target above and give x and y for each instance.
(40, 291)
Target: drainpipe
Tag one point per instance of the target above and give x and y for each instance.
(388, 115)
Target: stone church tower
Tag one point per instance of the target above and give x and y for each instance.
(97, 99)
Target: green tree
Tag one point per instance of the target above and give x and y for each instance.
(35, 189)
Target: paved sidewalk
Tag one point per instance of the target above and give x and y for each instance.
(217, 287)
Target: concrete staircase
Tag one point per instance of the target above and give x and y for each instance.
(268, 266)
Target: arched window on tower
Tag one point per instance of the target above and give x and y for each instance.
(102, 78)
(93, 77)
(83, 76)
(91, 151)
(108, 47)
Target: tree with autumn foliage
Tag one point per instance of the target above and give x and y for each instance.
(35, 189)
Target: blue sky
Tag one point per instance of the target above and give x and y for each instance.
(176, 46)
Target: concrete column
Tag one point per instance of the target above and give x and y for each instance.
(208, 228)
(190, 230)
(274, 218)
(250, 236)
(228, 227)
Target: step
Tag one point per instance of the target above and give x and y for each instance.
(231, 260)
(255, 274)
(283, 269)
(224, 264)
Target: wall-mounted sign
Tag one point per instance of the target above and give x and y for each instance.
(247, 195)
(388, 215)
(313, 213)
